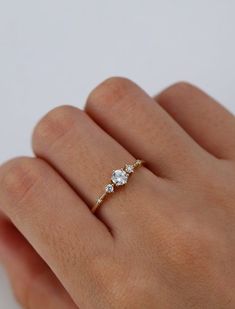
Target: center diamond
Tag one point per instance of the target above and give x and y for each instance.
(119, 177)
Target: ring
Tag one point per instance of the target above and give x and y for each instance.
(119, 178)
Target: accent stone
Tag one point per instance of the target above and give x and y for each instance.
(109, 188)
(129, 168)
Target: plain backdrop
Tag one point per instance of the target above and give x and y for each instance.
(54, 52)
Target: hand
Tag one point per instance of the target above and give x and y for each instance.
(165, 240)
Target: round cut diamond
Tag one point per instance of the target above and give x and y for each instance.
(129, 168)
(109, 188)
(119, 177)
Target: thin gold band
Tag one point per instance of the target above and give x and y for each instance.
(119, 178)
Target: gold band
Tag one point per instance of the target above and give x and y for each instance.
(119, 178)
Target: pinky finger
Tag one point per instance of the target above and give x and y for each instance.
(33, 283)
(204, 119)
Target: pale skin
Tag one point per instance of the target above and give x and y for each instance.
(164, 241)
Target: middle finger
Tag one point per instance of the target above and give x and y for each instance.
(145, 129)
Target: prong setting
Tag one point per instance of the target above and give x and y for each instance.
(109, 188)
(119, 178)
(129, 168)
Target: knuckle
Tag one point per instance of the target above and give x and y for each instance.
(110, 91)
(116, 283)
(107, 273)
(105, 268)
(219, 187)
(19, 177)
(177, 88)
(137, 297)
(183, 85)
(129, 290)
(54, 125)
(192, 250)
(99, 266)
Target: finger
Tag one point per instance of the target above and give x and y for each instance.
(55, 221)
(127, 113)
(86, 155)
(33, 283)
(209, 124)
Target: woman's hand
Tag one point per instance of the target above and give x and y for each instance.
(165, 240)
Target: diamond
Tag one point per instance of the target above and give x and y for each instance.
(109, 188)
(119, 177)
(129, 168)
(138, 162)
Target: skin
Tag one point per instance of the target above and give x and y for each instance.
(165, 240)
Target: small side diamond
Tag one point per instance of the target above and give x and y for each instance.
(138, 163)
(129, 168)
(109, 188)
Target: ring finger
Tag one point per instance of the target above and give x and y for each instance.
(86, 155)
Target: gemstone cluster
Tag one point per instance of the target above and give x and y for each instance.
(119, 177)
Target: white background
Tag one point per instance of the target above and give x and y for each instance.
(54, 52)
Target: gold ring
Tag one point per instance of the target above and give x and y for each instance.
(119, 178)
